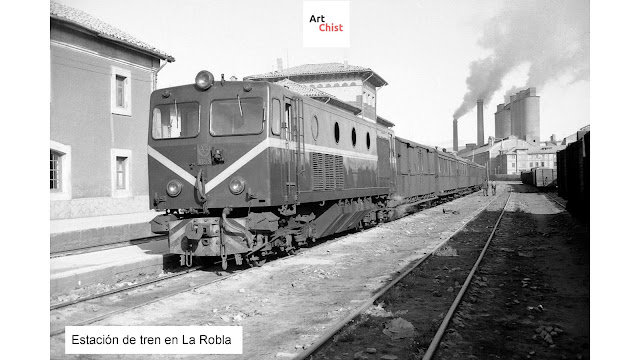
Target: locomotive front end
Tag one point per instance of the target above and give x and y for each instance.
(208, 164)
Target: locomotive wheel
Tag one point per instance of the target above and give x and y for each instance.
(257, 263)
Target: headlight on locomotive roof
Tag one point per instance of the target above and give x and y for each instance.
(204, 80)
(236, 185)
(174, 187)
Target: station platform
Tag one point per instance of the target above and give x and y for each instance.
(107, 266)
(76, 233)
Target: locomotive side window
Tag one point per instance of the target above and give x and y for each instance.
(275, 117)
(336, 132)
(368, 141)
(236, 116)
(354, 138)
(177, 120)
(314, 127)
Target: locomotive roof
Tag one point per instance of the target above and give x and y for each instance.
(80, 18)
(320, 69)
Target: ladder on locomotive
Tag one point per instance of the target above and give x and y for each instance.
(295, 132)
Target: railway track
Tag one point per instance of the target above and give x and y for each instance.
(193, 284)
(331, 333)
(89, 310)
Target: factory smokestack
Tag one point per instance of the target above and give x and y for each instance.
(455, 134)
(480, 141)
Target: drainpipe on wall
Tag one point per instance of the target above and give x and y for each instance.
(155, 75)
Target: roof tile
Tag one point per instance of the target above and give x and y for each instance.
(66, 13)
(317, 69)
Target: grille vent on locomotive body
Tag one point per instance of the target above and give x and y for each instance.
(327, 171)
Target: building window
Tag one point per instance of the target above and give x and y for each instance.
(120, 80)
(121, 173)
(59, 171)
(530, 164)
(120, 91)
(55, 163)
(513, 165)
(542, 164)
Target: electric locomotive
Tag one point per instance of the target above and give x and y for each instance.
(246, 169)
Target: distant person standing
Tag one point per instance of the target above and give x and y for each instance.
(493, 188)
(485, 188)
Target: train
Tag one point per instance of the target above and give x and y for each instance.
(250, 169)
(574, 168)
(542, 178)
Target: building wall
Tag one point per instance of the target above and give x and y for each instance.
(348, 88)
(83, 123)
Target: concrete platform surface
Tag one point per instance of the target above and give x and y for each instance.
(77, 233)
(108, 266)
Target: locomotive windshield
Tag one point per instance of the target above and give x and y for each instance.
(177, 120)
(239, 116)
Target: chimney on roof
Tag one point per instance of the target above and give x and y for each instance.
(279, 62)
(480, 141)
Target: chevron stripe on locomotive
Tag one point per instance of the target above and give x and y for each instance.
(248, 169)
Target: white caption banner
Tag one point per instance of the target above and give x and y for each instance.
(153, 340)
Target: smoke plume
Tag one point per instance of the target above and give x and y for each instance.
(551, 36)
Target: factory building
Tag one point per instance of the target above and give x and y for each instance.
(520, 117)
(101, 80)
(510, 156)
(355, 85)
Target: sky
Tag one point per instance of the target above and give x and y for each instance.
(426, 51)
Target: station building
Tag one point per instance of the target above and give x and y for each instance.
(101, 81)
(355, 85)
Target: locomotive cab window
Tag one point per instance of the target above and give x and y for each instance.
(336, 132)
(177, 120)
(275, 117)
(239, 116)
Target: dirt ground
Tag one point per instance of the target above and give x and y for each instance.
(529, 298)
(287, 304)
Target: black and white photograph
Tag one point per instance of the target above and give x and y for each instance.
(336, 179)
